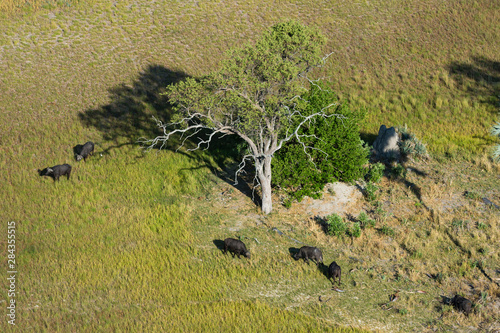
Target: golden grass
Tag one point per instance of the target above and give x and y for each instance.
(15, 7)
(12, 6)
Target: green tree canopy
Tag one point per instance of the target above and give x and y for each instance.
(254, 95)
(337, 152)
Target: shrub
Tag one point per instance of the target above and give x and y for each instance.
(482, 226)
(459, 224)
(386, 230)
(375, 172)
(338, 152)
(365, 221)
(371, 192)
(355, 231)
(399, 171)
(471, 195)
(410, 146)
(336, 225)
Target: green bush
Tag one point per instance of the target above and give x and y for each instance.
(409, 145)
(336, 151)
(336, 225)
(355, 231)
(482, 226)
(388, 231)
(472, 195)
(365, 221)
(375, 172)
(459, 224)
(371, 192)
(399, 171)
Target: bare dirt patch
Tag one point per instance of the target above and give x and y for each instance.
(338, 198)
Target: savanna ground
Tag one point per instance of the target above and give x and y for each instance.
(130, 242)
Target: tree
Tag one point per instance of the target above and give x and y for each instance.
(339, 154)
(254, 95)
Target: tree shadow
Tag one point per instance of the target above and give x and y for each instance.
(129, 114)
(224, 152)
(481, 77)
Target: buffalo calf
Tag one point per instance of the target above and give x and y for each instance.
(235, 246)
(84, 151)
(309, 252)
(334, 272)
(56, 171)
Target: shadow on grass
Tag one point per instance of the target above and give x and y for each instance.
(368, 137)
(322, 222)
(324, 270)
(392, 173)
(293, 252)
(481, 77)
(219, 244)
(129, 116)
(226, 170)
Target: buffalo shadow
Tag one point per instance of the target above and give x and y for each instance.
(219, 244)
(324, 270)
(77, 150)
(293, 252)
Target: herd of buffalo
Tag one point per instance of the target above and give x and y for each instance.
(236, 246)
(81, 152)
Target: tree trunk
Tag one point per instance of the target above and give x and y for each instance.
(263, 170)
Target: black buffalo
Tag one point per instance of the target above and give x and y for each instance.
(309, 252)
(56, 171)
(236, 247)
(83, 151)
(334, 272)
(462, 304)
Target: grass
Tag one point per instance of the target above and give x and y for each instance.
(117, 248)
(128, 242)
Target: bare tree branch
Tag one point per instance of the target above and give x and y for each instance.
(251, 98)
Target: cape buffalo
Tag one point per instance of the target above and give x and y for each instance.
(334, 272)
(462, 304)
(56, 171)
(309, 252)
(236, 247)
(84, 151)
